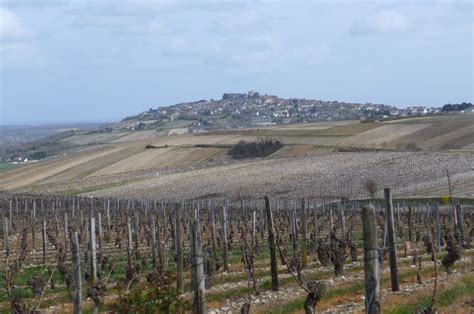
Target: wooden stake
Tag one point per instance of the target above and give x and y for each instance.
(198, 280)
(76, 274)
(93, 252)
(153, 244)
(44, 240)
(391, 241)
(179, 253)
(225, 246)
(371, 261)
(272, 245)
(304, 246)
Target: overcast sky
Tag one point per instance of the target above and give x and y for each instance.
(102, 60)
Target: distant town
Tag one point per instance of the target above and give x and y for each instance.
(232, 111)
(240, 110)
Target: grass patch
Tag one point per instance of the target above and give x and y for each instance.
(444, 299)
(6, 166)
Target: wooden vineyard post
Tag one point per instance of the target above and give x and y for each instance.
(254, 217)
(66, 232)
(81, 223)
(343, 220)
(392, 250)
(331, 220)
(44, 240)
(315, 231)
(93, 252)
(55, 211)
(460, 221)
(410, 224)
(6, 244)
(212, 218)
(10, 217)
(33, 223)
(371, 261)
(438, 228)
(293, 231)
(137, 230)
(398, 215)
(76, 274)
(198, 280)
(153, 244)
(73, 214)
(271, 245)
(108, 214)
(304, 246)
(225, 246)
(129, 243)
(158, 242)
(179, 253)
(99, 229)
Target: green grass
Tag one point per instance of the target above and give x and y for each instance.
(166, 125)
(444, 299)
(5, 166)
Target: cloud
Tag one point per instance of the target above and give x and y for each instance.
(312, 55)
(242, 20)
(382, 22)
(30, 4)
(12, 29)
(156, 26)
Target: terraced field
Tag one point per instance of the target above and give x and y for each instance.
(376, 137)
(445, 132)
(122, 157)
(338, 175)
(32, 173)
(132, 178)
(159, 158)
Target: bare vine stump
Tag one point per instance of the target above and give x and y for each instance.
(245, 309)
(316, 291)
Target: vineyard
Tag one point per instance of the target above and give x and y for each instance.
(247, 255)
(153, 223)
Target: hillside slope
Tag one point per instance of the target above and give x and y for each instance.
(125, 158)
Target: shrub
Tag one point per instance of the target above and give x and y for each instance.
(262, 148)
(152, 298)
(412, 147)
(37, 155)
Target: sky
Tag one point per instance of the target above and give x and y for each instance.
(81, 60)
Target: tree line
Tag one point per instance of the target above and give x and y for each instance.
(262, 148)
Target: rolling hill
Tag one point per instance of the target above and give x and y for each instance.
(114, 163)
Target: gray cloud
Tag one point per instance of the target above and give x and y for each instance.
(12, 28)
(167, 51)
